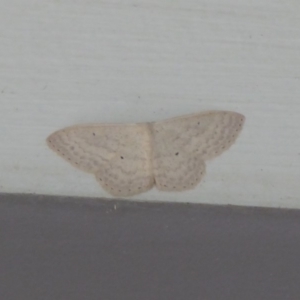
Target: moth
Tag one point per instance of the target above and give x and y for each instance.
(129, 159)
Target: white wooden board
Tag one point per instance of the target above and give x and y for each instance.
(70, 62)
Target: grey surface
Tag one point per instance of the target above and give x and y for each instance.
(61, 248)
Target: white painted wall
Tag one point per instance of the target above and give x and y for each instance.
(68, 62)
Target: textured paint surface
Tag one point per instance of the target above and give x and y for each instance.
(128, 159)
